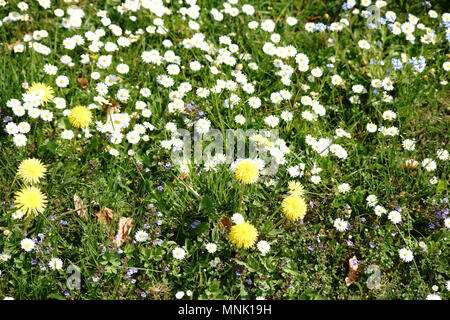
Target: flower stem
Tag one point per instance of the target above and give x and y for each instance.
(241, 197)
(276, 225)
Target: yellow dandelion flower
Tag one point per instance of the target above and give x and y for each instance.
(246, 171)
(294, 207)
(44, 92)
(243, 235)
(80, 117)
(30, 200)
(296, 188)
(31, 170)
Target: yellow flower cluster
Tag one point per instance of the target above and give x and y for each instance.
(247, 171)
(42, 91)
(31, 170)
(294, 206)
(243, 235)
(80, 117)
(30, 198)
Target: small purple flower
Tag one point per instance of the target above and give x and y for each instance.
(166, 269)
(66, 293)
(158, 222)
(287, 260)
(363, 219)
(159, 214)
(291, 287)
(249, 281)
(43, 268)
(34, 262)
(445, 200)
(146, 226)
(320, 246)
(238, 272)
(133, 281)
(350, 243)
(311, 204)
(372, 245)
(95, 278)
(311, 248)
(194, 224)
(7, 119)
(143, 294)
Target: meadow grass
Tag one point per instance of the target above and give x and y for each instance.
(187, 206)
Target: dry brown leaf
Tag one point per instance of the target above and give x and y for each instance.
(80, 206)
(226, 222)
(410, 164)
(83, 82)
(105, 215)
(12, 45)
(352, 271)
(124, 229)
